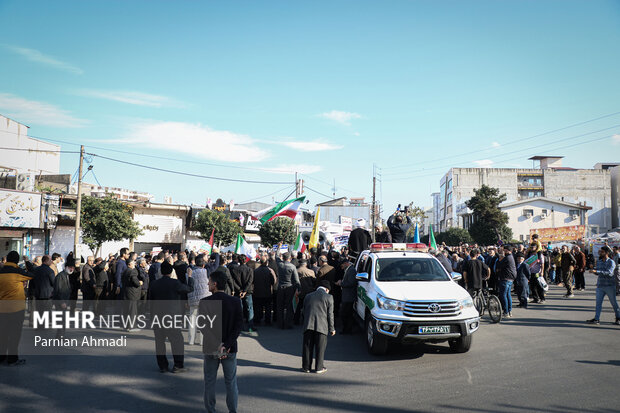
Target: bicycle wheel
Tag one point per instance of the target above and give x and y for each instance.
(479, 303)
(495, 309)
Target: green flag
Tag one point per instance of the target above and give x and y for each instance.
(431, 240)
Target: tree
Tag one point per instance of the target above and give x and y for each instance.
(454, 236)
(489, 224)
(417, 215)
(106, 219)
(225, 230)
(280, 229)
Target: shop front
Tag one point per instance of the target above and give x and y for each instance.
(20, 221)
(163, 228)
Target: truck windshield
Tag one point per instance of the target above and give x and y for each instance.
(410, 269)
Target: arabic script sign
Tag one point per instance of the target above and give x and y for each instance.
(20, 209)
(570, 233)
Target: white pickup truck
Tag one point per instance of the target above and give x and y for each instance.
(405, 294)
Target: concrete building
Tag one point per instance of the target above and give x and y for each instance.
(587, 187)
(542, 212)
(614, 170)
(118, 193)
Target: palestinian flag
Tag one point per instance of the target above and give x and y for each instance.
(299, 244)
(283, 209)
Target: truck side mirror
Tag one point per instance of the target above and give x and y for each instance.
(362, 276)
(456, 276)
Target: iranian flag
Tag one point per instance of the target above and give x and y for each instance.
(299, 244)
(243, 248)
(283, 209)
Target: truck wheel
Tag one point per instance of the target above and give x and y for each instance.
(461, 345)
(376, 342)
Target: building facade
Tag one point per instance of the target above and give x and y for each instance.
(587, 187)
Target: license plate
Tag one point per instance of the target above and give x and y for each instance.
(433, 329)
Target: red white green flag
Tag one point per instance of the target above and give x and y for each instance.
(283, 209)
(299, 244)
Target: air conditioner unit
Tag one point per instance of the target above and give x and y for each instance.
(528, 215)
(25, 182)
(574, 216)
(543, 215)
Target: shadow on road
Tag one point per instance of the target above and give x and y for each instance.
(610, 362)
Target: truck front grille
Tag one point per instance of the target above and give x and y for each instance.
(432, 309)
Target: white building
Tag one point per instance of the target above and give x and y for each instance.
(590, 187)
(541, 212)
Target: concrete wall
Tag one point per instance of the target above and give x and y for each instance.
(615, 196)
(592, 186)
(558, 216)
(15, 135)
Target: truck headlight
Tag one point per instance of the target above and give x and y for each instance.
(389, 304)
(466, 303)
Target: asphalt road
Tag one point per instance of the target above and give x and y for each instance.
(544, 359)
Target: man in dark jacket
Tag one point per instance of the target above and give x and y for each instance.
(131, 291)
(399, 227)
(43, 280)
(61, 295)
(359, 239)
(88, 283)
(349, 293)
(318, 323)
(522, 280)
(506, 274)
(143, 276)
(231, 324)
(101, 284)
(165, 299)
(568, 266)
(244, 277)
(580, 268)
(121, 266)
(264, 282)
(288, 286)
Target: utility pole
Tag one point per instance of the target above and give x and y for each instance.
(374, 203)
(296, 186)
(334, 189)
(78, 210)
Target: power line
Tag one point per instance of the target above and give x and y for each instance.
(37, 150)
(330, 185)
(513, 141)
(561, 140)
(265, 196)
(505, 160)
(189, 174)
(317, 192)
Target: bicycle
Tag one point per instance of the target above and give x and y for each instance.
(484, 300)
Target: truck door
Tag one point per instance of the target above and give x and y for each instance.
(364, 265)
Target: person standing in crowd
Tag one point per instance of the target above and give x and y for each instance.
(522, 280)
(399, 225)
(154, 269)
(44, 284)
(165, 298)
(201, 290)
(288, 286)
(61, 295)
(491, 262)
(143, 276)
(605, 285)
(230, 284)
(88, 284)
(131, 292)
(580, 269)
(326, 271)
(443, 260)
(474, 272)
(615, 257)
(307, 282)
(359, 239)
(57, 263)
(244, 277)
(381, 235)
(349, 293)
(568, 266)
(318, 323)
(13, 307)
(232, 322)
(506, 274)
(101, 284)
(121, 267)
(265, 281)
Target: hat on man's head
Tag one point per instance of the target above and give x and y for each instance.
(360, 223)
(166, 268)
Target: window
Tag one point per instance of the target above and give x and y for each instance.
(410, 269)
(528, 213)
(573, 213)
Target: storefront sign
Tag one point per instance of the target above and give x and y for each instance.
(165, 229)
(570, 233)
(20, 209)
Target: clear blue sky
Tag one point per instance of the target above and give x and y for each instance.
(415, 84)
